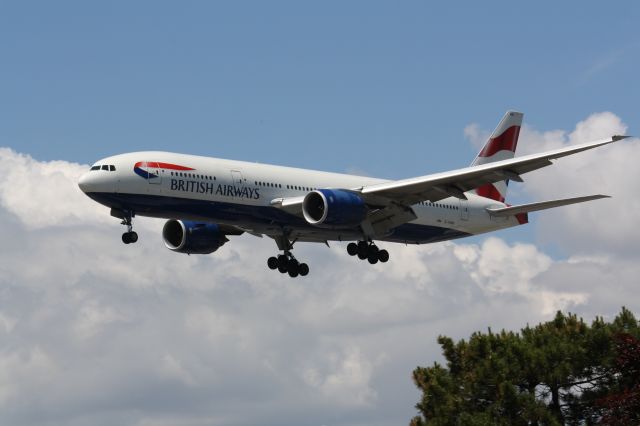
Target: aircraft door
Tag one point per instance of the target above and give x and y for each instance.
(464, 210)
(236, 178)
(154, 175)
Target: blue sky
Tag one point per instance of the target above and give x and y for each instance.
(381, 87)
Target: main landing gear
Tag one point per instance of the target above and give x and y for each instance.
(130, 236)
(369, 251)
(286, 263)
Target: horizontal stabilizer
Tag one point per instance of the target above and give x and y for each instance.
(534, 207)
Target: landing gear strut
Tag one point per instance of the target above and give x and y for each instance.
(130, 236)
(287, 263)
(368, 250)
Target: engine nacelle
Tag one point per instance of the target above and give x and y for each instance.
(334, 208)
(192, 237)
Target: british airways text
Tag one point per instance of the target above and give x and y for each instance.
(210, 188)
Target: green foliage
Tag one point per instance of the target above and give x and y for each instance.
(551, 374)
(622, 405)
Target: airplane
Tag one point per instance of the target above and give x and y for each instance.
(208, 199)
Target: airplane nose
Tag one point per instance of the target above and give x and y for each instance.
(83, 182)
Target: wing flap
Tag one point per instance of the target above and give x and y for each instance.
(543, 205)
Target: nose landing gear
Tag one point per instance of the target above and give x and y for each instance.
(130, 236)
(369, 251)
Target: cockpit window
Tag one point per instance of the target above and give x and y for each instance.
(95, 168)
(105, 167)
(112, 168)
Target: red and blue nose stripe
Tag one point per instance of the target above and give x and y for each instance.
(140, 168)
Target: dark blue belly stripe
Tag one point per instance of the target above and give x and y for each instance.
(246, 216)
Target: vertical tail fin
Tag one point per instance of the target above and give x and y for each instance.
(500, 146)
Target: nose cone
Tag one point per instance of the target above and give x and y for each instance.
(83, 183)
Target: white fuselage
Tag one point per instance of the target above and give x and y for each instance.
(243, 195)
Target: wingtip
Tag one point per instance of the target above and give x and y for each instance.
(619, 137)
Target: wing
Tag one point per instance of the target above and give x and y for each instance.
(391, 201)
(455, 183)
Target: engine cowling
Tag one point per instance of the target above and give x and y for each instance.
(192, 237)
(334, 208)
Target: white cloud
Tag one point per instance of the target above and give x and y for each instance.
(30, 367)
(609, 170)
(346, 379)
(476, 135)
(95, 332)
(52, 200)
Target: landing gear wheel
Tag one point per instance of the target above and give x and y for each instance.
(272, 263)
(129, 237)
(363, 249)
(303, 269)
(369, 251)
(283, 263)
(293, 268)
(286, 263)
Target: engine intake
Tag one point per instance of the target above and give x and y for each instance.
(334, 208)
(192, 237)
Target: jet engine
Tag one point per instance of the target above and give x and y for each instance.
(192, 237)
(334, 208)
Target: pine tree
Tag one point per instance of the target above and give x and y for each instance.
(558, 372)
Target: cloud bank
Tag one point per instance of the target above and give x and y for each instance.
(95, 332)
